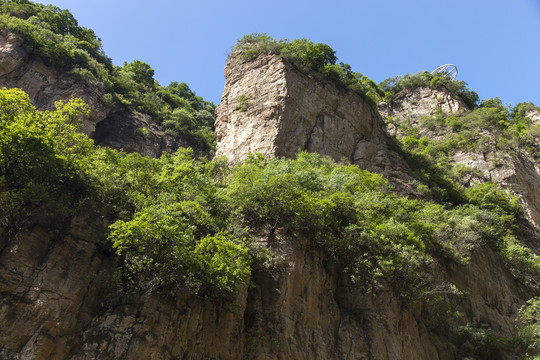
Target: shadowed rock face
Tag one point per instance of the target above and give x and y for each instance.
(118, 128)
(270, 107)
(136, 132)
(58, 301)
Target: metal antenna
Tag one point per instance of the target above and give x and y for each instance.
(449, 70)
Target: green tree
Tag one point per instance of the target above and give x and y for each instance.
(309, 55)
(162, 247)
(41, 157)
(41, 146)
(141, 72)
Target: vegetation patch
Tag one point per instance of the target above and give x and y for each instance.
(490, 129)
(393, 86)
(318, 59)
(528, 339)
(243, 103)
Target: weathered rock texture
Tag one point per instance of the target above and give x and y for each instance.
(46, 85)
(534, 115)
(58, 293)
(412, 105)
(57, 301)
(270, 107)
(519, 173)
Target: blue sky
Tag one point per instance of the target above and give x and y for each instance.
(494, 43)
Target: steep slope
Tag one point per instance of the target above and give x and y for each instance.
(61, 298)
(119, 127)
(59, 302)
(63, 293)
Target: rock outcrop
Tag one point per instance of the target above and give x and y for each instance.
(136, 132)
(44, 84)
(519, 173)
(270, 107)
(534, 115)
(412, 105)
(59, 296)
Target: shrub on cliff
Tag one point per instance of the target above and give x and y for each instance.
(317, 58)
(191, 223)
(353, 214)
(40, 155)
(392, 86)
(168, 244)
(53, 34)
(528, 338)
(492, 128)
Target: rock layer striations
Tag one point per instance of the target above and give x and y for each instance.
(270, 107)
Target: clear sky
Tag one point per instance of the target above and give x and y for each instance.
(494, 43)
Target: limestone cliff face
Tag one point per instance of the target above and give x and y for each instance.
(270, 107)
(534, 115)
(58, 292)
(520, 174)
(58, 302)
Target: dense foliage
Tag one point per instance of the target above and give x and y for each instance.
(54, 36)
(529, 331)
(191, 223)
(353, 214)
(40, 153)
(171, 226)
(197, 224)
(319, 59)
(393, 86)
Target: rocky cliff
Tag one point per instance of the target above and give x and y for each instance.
(59, 290)
(109, 126)
(59, 301)
(44, 84)
(270, 107)
(412, 105)
(136, 132)
(517, 171)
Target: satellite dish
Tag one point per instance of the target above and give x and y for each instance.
(449, 70)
